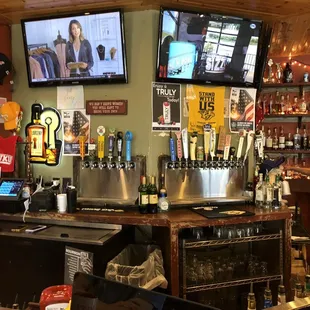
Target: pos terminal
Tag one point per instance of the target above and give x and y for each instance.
(11, 200)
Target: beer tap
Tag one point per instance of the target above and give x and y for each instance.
(128, 138)
(232, 153)
(250, 139)
(179, 148)
(226, 151)
(119, 142)
(185, 146)
(213, 147)
(193, 145)
(82, 139)
(172, 150)
(101, 137)
(111, 140)
(242, 134)
(206, 139)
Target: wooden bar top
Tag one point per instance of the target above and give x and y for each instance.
(180, 218)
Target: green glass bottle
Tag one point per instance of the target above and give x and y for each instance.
(153, 196)
(143, 196)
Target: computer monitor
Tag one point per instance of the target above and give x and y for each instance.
(94, 293)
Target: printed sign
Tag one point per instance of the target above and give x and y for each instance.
(77, 261)
(106, 107)
(206, 106)
(242, 109)
(166, 100)
(74, 122)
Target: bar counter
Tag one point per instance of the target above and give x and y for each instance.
(166, 228)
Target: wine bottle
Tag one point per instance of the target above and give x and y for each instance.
(143, 196)
(153, 197)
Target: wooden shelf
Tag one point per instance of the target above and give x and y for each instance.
(286, 115)
(275, 85)
(288, 151)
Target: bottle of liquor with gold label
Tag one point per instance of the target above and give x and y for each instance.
(36, 133)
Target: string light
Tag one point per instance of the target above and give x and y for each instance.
(299, 63)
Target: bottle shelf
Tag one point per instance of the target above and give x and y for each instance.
(209, 243)
(275, 85)
(286, 115)
(205, 287)
(287, 151)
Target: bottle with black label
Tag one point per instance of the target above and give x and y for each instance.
(297, 140)
(153, 196)
(143, 196)
(304, 139)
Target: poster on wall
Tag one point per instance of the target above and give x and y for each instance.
(42, 133)
(206, 106)
(242, 109)
(166, 107)
(70, 97)
(74, 124)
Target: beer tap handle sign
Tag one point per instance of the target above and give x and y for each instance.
(179, 145)
(82, 140)
(111, 139)
(119, 145)
(242, 134)
(101, 132)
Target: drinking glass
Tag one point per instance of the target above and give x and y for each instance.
(201, 272)
(263, 268)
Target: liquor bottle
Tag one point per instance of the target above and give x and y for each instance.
(275, 140)
(267, 297)
(304, 139)
(163, 202)
(281, 293)
(37, 133)
(276, 201)
(263, 136)
(298, 291)
(271, 105)
(251, 299)
(162, 183)
(297, 140)
(288, 104)
(295, 107)
(266, 106)
(289, 143)
(288, 73)
(279, 183)
(282, 139)
(259, 193)
(303, 105)
(277, 108)
(143, 196)
(282, 106)
(269, 140)
(153, 197)
(269, 193)
(307, 283)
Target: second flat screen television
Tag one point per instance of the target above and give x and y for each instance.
(75, 49)
(207, 48)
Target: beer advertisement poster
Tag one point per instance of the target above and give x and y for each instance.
(166, 107)
(206, 106)
(242, 109)
(75, 123)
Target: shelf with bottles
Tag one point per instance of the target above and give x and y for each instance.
(280, 151)
(212, 286)
(287, 115)
(286, 85)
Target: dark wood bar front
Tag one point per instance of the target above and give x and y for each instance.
(166, 230)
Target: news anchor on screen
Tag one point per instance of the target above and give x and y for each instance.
(79, 58)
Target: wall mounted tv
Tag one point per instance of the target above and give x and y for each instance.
(207, 49)
(75, 49)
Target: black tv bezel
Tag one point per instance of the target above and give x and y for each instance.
(257, 73)
(82, 81)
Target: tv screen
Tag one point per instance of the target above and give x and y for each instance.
(75, 49)
(207, 48)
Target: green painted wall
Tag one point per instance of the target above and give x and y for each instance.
(141, 43)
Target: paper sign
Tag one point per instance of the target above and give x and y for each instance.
(106, 107)
(70, 97)
(166, 107)
(206, 106)
(242, 109)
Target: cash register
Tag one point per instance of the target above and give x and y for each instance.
(11, 200)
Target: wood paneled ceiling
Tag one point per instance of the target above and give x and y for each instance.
(11, 11)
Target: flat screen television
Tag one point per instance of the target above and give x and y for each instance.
(201, 48)
(75, 49)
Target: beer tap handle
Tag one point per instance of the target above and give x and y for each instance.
(193, 145)
(213, 143)
(179, 145)
(111, 139)
(206, 139)
(119, 145)
(172, 148)
(100, 132)
(242, 134)
(250, 139)
(128, 138)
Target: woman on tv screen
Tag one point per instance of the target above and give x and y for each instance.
(79, 57)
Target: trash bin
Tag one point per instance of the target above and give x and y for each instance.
(138, 265)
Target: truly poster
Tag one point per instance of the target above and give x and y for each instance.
(75, 123)
(166, 107)
(206, 106)
(242, 109)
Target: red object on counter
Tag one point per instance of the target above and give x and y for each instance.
(56, 297)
